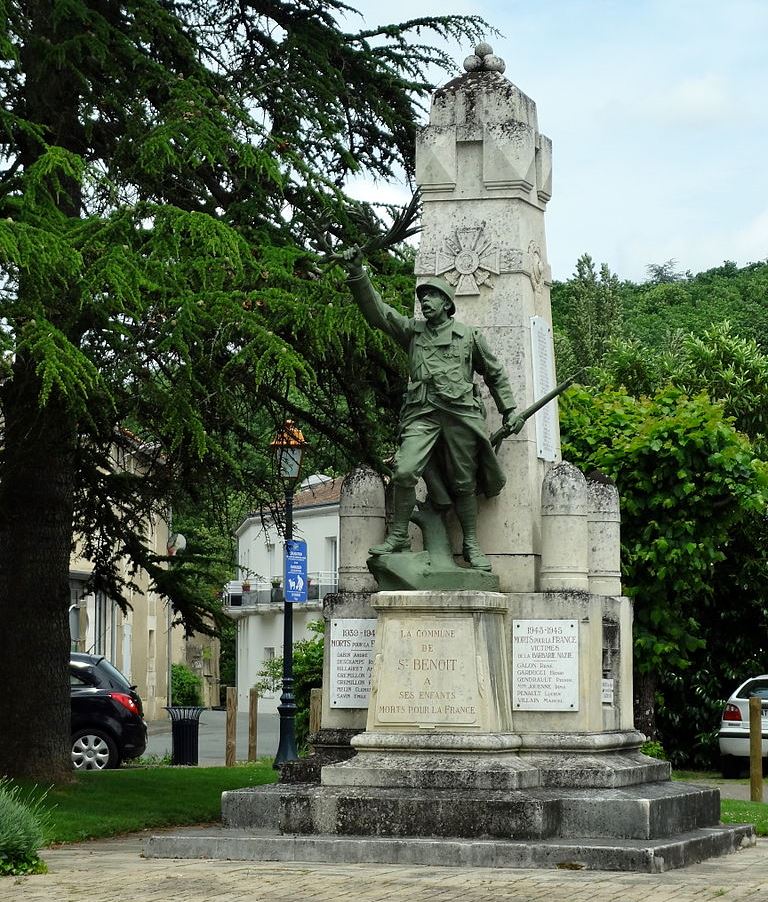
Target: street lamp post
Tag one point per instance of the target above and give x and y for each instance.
(288, 447)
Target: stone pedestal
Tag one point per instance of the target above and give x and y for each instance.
(601, 669)
(441, 663)
(454, 751)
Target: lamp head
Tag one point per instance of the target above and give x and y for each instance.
(288, 446)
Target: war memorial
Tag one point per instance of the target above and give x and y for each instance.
(477, 690)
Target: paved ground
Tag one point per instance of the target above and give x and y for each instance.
(114, 871)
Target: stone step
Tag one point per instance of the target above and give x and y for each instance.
(649, 856)
(647, 811)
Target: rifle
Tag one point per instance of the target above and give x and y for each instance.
(505, 431)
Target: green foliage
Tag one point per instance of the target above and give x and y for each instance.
(654, 749)
(185, 686)
(307, 675)
(162, 178)
(23, 865)
(589, 316)
(634, 368)
(730, 369)
(688, 483)
(154, 225)
(693, 493)
(659, 273)
(700, 336)
(23, 820)
(655, 312)
(270, 676)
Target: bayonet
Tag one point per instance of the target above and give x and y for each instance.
(505, 431)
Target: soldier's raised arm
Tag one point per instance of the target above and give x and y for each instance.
(376, 311)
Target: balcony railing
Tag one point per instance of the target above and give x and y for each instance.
(250, 593)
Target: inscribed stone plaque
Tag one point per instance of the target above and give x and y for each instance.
(352, 642)
(545, 665)
(431, 674)
(607, 692)
(542, 358)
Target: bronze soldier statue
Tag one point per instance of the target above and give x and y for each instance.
(442, 434)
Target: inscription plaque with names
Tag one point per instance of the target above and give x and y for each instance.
(431, 674)
(545, 665)
(543, 360)
(352, 643)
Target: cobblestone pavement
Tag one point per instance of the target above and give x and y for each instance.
(114, 871)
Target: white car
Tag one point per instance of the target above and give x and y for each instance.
(734, 727)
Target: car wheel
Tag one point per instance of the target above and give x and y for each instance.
(94, 750)
(730, 766)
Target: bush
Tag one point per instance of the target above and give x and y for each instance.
(307, 675)
(654, 749)
(185, 686)
(22, 824)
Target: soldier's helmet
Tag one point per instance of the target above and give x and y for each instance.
(442, 286)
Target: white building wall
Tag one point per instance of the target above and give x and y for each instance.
(260, 550)
(259, 621)
(259, 638)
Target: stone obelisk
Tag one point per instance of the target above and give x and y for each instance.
(485, 172)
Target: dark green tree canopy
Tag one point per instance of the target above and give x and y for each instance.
(163, 167)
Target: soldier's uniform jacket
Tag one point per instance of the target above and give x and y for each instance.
(442, 363)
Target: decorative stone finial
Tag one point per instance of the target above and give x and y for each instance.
(483, 60)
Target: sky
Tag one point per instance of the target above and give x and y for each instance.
(658, 114)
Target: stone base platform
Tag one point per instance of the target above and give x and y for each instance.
(650, 856)
(601, 810)
(647, 811)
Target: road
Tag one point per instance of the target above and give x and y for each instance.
(212, 732)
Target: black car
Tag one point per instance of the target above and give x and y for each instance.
(107, 714)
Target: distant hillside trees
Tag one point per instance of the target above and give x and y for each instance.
(676, 413)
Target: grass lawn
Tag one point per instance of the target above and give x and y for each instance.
(105, 803)
(734, 812)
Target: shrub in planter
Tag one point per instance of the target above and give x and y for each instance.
(185, 686)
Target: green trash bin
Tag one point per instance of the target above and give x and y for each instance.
(185, 729)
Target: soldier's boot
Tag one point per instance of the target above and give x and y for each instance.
(466, 512)
(397, 538)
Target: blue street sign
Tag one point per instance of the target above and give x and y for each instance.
(295, 571)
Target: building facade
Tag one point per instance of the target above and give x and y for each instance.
(142, 643)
